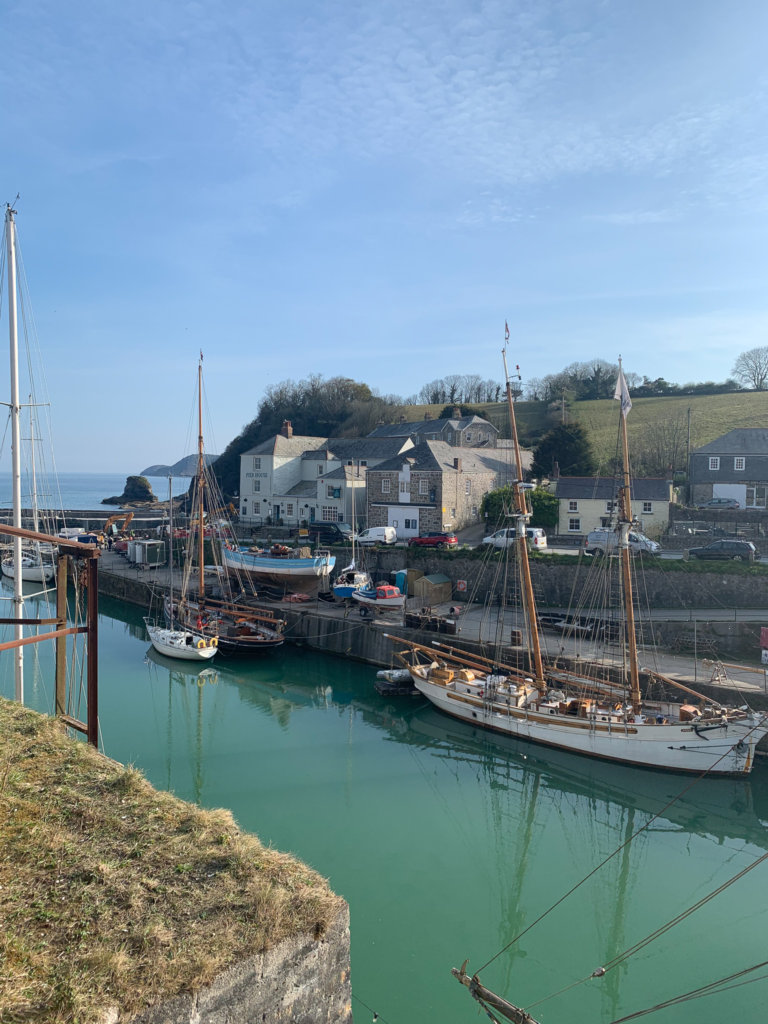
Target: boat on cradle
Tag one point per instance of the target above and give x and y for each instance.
(297, 568)
(351, 581)
(181, 643)
(596, 710)
(352, 578)
(216, 607)
(379, 598)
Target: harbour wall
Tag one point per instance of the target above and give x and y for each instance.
(324, 628)
(303, 980)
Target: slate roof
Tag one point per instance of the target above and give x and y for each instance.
(741, 441)
(420, 427)
(435, 456)
(341, 449)
(605, 488)
(287, 447)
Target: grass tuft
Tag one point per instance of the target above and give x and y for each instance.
(114, 894)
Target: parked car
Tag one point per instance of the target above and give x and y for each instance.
(435, 540)
(378, 535)
(738, 550)
(330, 533)
(606, 541)
(725, 503)
(505, 538)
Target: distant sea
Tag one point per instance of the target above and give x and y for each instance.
(84, 491)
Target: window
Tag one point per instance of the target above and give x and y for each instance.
(330, 515)
(573, 506)
(610, 506)
(257, 463)
(320, 469)
(474, 511)
(423, 486)
(289, 509)
(256, 486)
(739, 463)
(574, 526)
(647, 508)
(468, 487)
(469, 437)
(714, 463)
(403, 486)
(386, 486)
(411, 524)
(363, 462)
(756, 497)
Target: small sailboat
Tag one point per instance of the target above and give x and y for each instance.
(352, 577)
(587, 709)
(186, 644)
(211, 609)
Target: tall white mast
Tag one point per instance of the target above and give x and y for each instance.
(18, 600)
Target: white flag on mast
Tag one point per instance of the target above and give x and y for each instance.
(621, 394)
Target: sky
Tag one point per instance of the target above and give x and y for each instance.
(371, 190)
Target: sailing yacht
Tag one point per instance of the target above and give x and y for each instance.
(213, 610)
(352, 578)
(185, 644)
(596, 712)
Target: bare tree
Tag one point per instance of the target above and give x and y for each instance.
(662, 446)
(751, 368)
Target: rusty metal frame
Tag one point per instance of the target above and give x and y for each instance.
(67, 549)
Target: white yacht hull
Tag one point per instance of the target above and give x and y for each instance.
(676, 746)
(31, 571)
(180, 643)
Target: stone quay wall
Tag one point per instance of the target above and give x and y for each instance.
(304, 980)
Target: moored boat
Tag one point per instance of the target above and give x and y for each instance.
(596, 712)
(180, 643)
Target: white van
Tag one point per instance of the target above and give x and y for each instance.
(605, 541)
(377, 535)
(505, 538)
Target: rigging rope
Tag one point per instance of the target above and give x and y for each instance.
(606, 860)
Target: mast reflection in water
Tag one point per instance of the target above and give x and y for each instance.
(448, 843)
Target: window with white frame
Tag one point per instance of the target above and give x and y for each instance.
(289, 509)
(574, 525)
(610, 506)
(411, 524)
(714, 463)
(573, 506)
(423, 486)
(647, 508)
(739, 464)
(386, 486)
(756, 497)
(320, 469)
(469, 437)
(256, 486)
(257, 463)
(468, 487)
(403, 486)
(330, 515)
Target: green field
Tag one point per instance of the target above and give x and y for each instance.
(710, 417)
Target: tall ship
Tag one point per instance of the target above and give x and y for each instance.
(588, 710)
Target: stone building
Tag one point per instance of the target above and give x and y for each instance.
(458, 431)
(429, 488)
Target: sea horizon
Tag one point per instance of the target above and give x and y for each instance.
(84, 491)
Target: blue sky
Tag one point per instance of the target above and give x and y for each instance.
(372, 189)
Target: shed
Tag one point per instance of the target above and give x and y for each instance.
(433, 589)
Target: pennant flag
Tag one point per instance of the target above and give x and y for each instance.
(506, 331)
(621, 394)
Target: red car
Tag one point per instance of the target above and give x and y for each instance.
(435, 540)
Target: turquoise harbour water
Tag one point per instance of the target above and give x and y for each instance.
(445, 842)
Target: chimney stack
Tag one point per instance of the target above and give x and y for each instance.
(287, 429)
(457, 465)
(456, 412)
